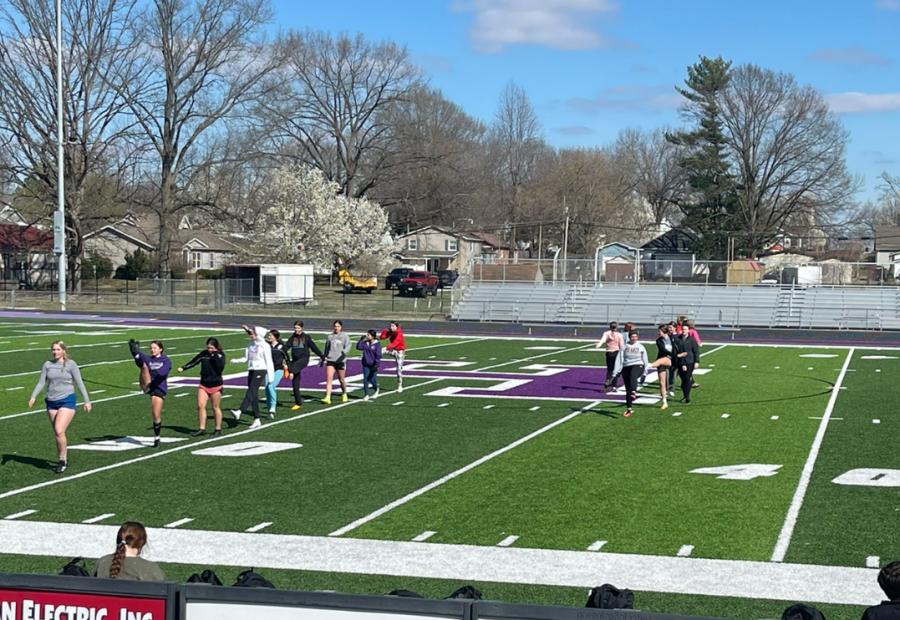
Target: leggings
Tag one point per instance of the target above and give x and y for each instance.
(271, 394)
(255, 380)
(631, 374)
(295, 382)
(398, 356)
(611, 378)
(687, 378)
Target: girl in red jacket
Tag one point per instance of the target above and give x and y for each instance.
(396, 349)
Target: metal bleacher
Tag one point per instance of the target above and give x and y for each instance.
(723, 306)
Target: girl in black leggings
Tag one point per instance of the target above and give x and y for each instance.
(631, 364)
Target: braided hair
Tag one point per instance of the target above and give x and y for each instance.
(131, 534)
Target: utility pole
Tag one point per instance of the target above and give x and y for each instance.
(565, 239)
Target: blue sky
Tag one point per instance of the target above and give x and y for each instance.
(594, 67)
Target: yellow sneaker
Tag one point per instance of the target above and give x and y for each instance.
(343, 398)
(327, 401)
(296, 407)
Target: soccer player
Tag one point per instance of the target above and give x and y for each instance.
(258, 356)
(278, 363)
(631, 364)
(155, 369)
(613, 341)
(298, 347)
(666, 350)
(212, 363)
(396, 348)
(371, 358)
(337, 346)
(61, 376)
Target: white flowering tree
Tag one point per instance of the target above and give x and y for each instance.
(304, 219)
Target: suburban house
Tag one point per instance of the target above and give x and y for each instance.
(26, 256)
(432, 248)
(200, 249)
(887, 245)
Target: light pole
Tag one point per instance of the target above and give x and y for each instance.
(59, 218)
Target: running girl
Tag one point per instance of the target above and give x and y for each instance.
(613, 341)
(666, 350)
(155, 369)
(631, 364)
(278, 363)
(61, 376)
(336, 349)
(258, 356)
(212, 363)
(298, 346)
(396, 348)
(371, 358)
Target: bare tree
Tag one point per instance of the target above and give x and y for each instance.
(337, 88)
(652, 166)
(97, 150)
(518, 141)
(788, 152)
(204, 62)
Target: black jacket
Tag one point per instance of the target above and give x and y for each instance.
(299, 347)
(689, 345)
(888, 610)
(279, 355)
(661, 351)
(211, 367)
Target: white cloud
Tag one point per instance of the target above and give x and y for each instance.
(888, 5)
(557, 24)
(863, 103)
(851, 55)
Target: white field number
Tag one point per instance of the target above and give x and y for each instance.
(739, 472)
(247, 448)
(870, 478)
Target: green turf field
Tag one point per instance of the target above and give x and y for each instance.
(502, 451)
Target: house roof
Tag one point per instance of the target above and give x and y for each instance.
(485, 238)
(142, 231)
(674, 240)
(17, 238)
(491, 240)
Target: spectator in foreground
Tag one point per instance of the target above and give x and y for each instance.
(126, 562)
(889, 580)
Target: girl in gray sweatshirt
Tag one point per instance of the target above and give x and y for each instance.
(61, 375)
(337, 346)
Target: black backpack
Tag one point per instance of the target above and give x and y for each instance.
(252, 579)
(405, 594)
(206, 576)
(802, 612)
(75, 568)
(610, 597)
(467, 592)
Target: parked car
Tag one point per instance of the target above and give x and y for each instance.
(419, 284)
(393, 278)
(356, 283)
(446, 277)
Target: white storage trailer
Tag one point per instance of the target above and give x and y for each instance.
(271, 284)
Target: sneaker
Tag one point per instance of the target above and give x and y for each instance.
(685, 400)
(375, 395)
(366, 397)
(271, 415)
(400, 388)
(627, 413)
(217, 432)
(671, 392)
(156, 442)
(695, 385)
(326, 401)
(61, 467)
(665, 405)
(343, 398)
(198, 433)
(296, 407)
(256, 423)
(236, 414)
(634, 396)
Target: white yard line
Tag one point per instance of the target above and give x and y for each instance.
(258, 527)
(457, 473)
(186, 446)
(790, 521)
(99, 518)
(462, 563)
(178, 523)
(19, 515)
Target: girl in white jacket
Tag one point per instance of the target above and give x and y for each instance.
(260, 370)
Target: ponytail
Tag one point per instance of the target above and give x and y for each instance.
(117, 561)
(131, 534)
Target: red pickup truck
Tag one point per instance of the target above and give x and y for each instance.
(418, 283)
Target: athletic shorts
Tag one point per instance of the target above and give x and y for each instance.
(157, 392)
(212, 390)
(336, 365)
(64, 403)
